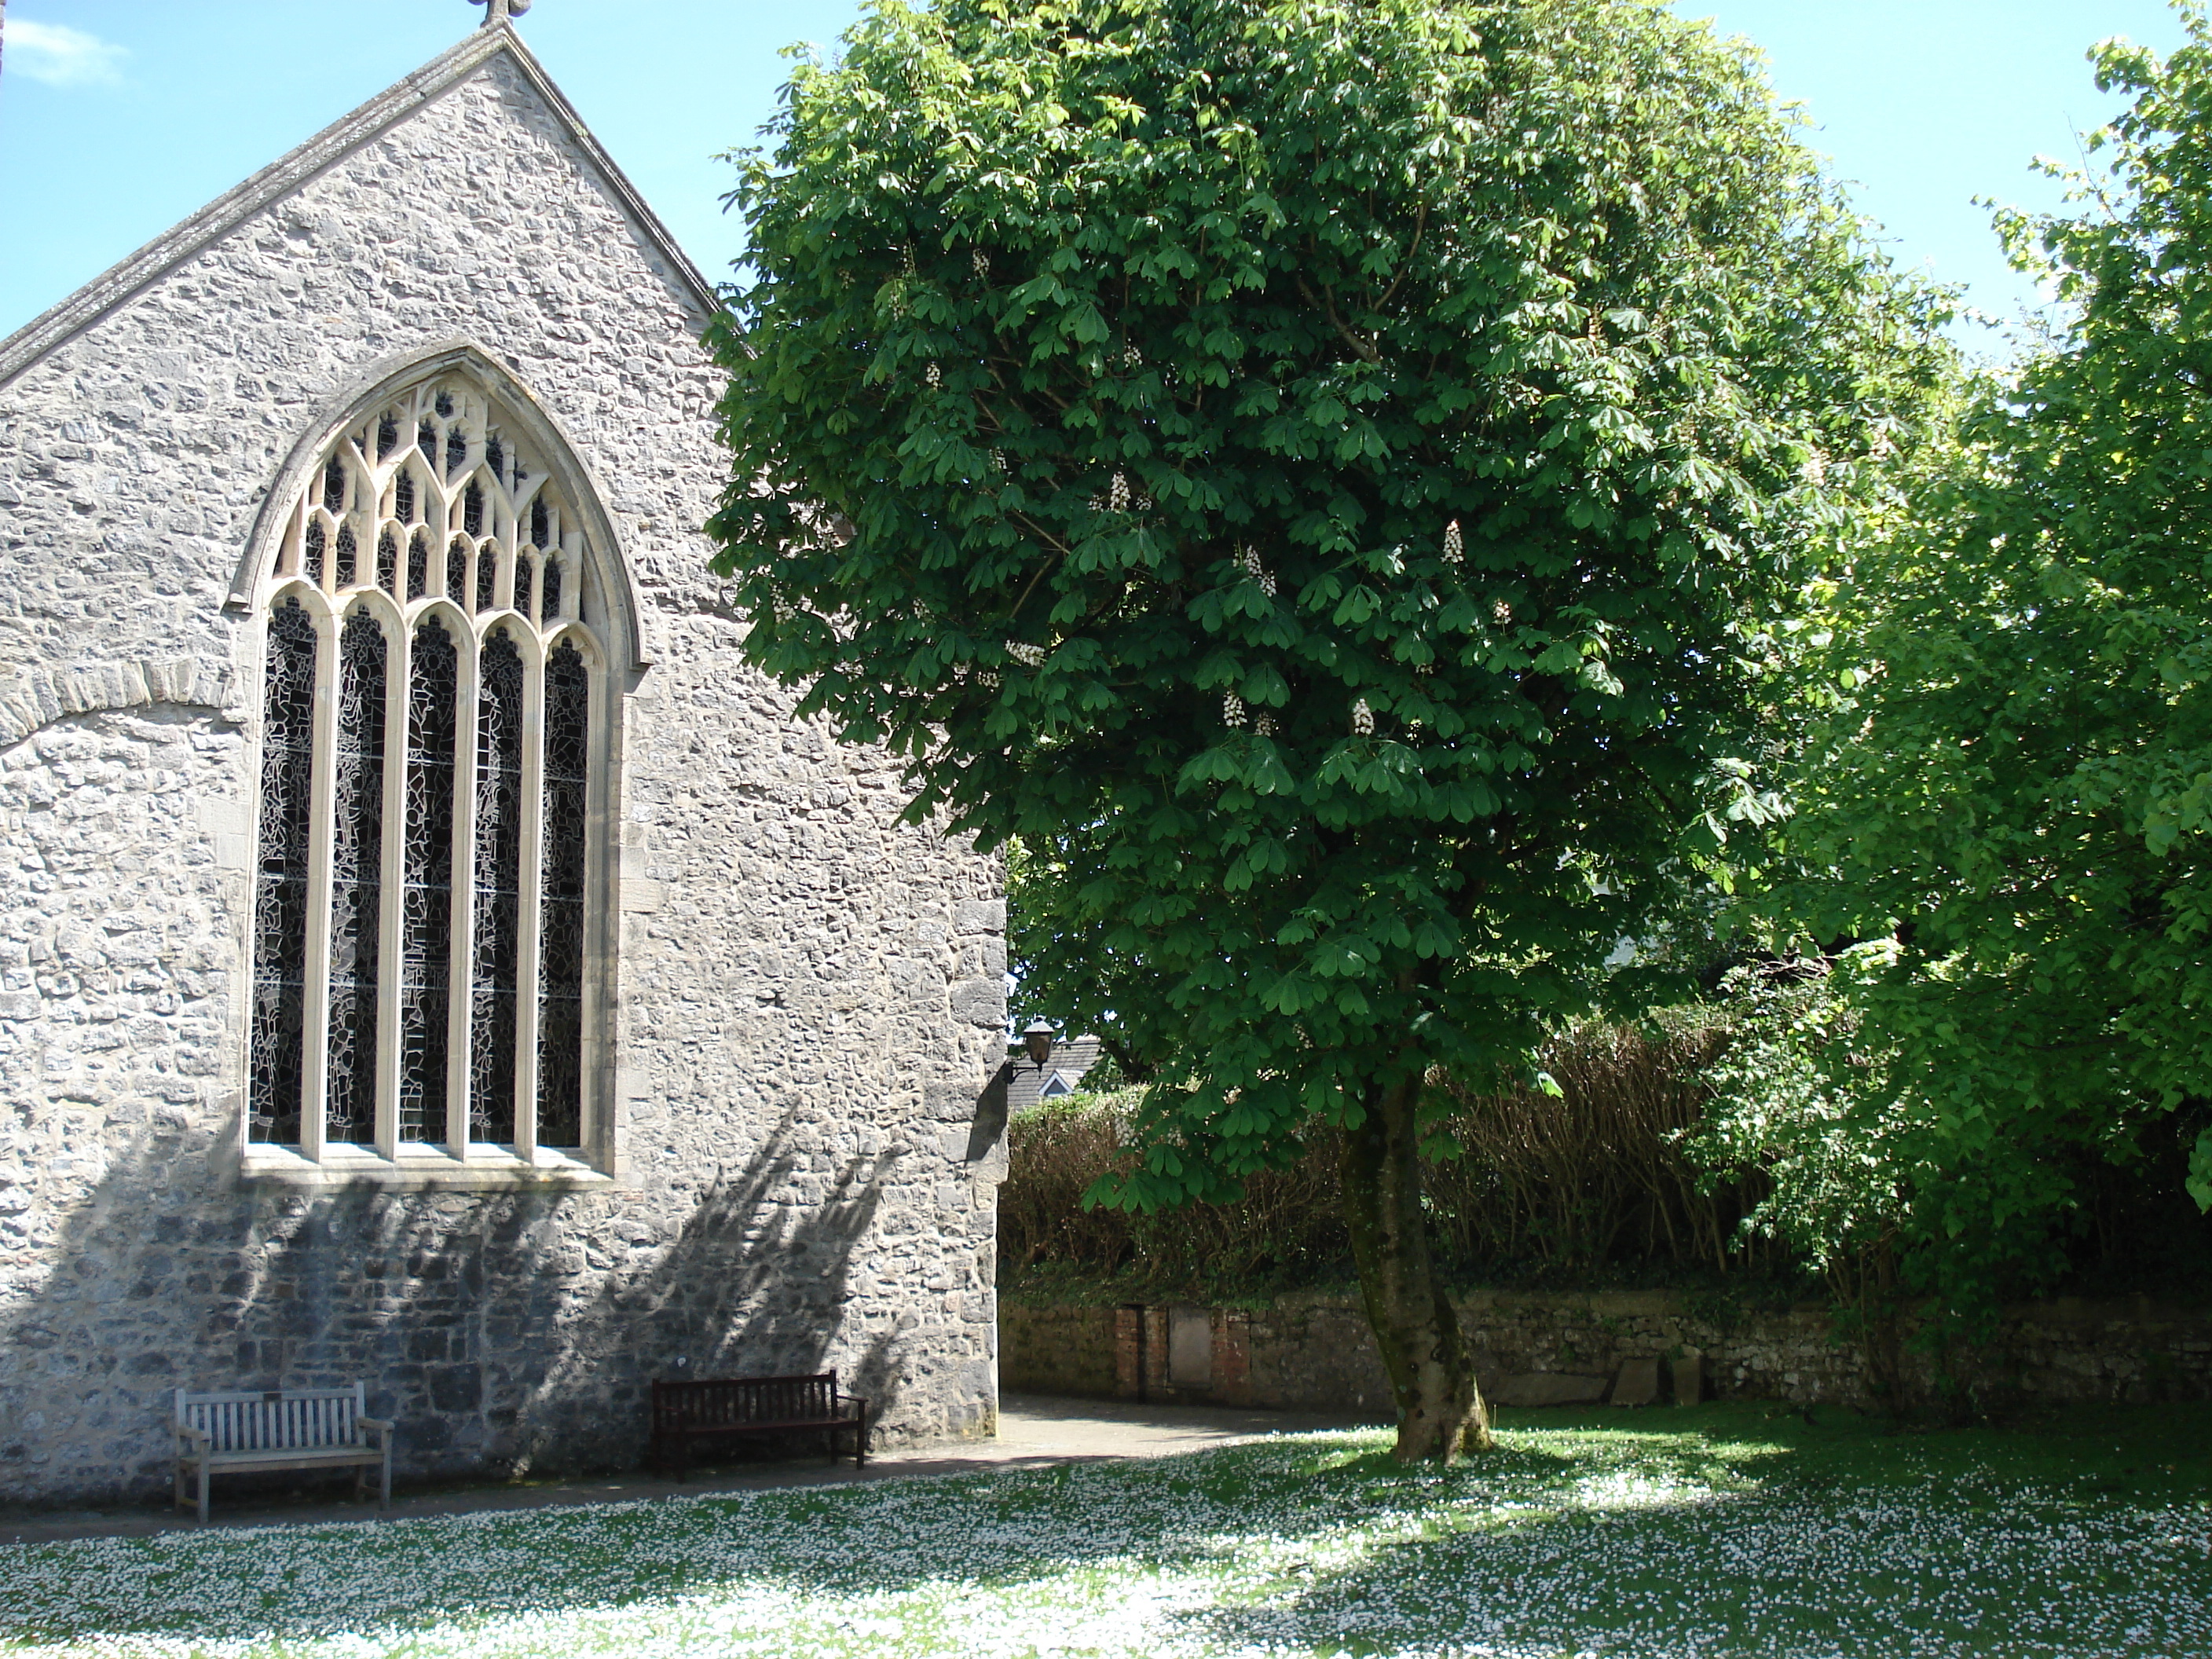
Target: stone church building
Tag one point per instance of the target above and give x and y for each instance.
(428, 955)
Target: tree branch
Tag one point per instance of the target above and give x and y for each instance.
(1366, 351)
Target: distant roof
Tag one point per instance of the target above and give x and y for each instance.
(1070, 1060)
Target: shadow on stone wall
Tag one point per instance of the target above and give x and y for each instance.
(506, 1333)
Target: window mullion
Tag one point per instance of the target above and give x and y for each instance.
(392, 936)
(460, 984)
(315, 1011)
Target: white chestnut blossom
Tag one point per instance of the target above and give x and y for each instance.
(1644, 1542)
(1363, 719)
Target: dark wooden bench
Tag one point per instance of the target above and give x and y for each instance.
(711, 1408)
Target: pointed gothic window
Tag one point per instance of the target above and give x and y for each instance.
(424, 893)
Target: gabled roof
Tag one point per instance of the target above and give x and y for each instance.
(1027, 1084)
(55, 327)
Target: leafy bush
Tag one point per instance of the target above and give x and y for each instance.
(1526, 1185)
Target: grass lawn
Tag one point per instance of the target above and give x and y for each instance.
(1719, 1531)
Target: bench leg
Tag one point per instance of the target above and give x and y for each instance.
(384, 1481)
(203, 1490)
(179, 1485)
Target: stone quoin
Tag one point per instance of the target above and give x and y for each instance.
(428, 954)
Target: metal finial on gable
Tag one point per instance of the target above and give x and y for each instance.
(500, 11)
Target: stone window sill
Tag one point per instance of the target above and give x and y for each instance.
(486, 1169)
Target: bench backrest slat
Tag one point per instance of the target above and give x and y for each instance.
(715, 1401)
(284, 1419)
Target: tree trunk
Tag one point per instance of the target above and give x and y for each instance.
(1440, 1412)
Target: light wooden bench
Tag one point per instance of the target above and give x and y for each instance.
(241, 1433)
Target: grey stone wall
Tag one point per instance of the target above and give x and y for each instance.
(810, 993)
(1317, 1352)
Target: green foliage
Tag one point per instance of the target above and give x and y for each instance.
(2016, 791)
(1326, 476)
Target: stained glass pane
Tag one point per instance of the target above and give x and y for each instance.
(311, 554)
(456, 570)
(540, 524)
(347, 554)
(388, 562)
(356, 881)
(334, 487)
(402, 497)
(472, 506)
(418, 565)
(552, 600)
(522, 585)
(486, 576)
(498, 891)
(426, 909)
(279, 898)
(561, 903)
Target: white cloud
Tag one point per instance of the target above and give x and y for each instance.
(59, 56)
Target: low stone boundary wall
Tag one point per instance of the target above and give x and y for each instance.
(1317, 1353)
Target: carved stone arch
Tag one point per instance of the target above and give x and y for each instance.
(317, 603)
(379, 384)
(576, 633)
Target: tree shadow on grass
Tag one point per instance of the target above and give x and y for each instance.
(1770, 1551)
(819, 1548)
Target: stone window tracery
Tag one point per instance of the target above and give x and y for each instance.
(431, 743)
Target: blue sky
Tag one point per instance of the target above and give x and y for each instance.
(118, 118)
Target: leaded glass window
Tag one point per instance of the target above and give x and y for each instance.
(432, 738)
(356, 879)
(280, 898)
(427, 901)
(560, 888)
(498, 889)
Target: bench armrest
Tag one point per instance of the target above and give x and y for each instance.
(189, 1435)
(860, 1406)
(377, 1425)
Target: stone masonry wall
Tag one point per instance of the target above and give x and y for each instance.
(810, 995)
(1317, 1353)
